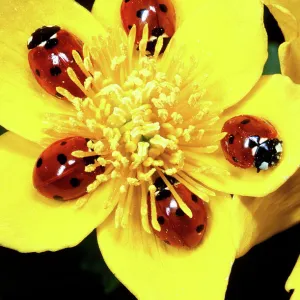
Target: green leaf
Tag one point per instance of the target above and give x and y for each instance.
(272, 65)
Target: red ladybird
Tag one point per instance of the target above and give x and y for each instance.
(177, 229)
(159, 14)
(251, 142)
(61, 176)
(50, 55)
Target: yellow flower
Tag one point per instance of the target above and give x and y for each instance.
(287, 14)
(293, 281)
(227, 44)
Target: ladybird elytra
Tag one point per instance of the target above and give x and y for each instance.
(50, 55)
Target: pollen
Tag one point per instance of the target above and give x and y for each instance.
(144, 118)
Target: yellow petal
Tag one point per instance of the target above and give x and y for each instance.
(276, 99)
(23, 101)
(151, 269)
(30, 222)
(257, 219)
(287, 14)
(221, 38)
(235, 225)
(289, 57)
(293, 282)
(108, 12)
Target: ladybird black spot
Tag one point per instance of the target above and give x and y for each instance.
(179, 212)
(39, 162)
(163, 8)
(41, 35)
(167, 242)
(129, 27)
(199, 228)
(51, 43)
(194, 198)
(55, 71)
(63, 143)
(59, 198)
(75, 182)
(231, 139)
(235, 159)
(126, 1)
(157, 31)
(161, 220)
(140, 12)
(37, 72)
(61, 158)
(246, 121)
(58, 95)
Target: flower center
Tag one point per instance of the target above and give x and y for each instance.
(144, 119)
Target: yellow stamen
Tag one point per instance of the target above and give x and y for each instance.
(142, 118)
(144, 208)
(180, 202)
(154, 221)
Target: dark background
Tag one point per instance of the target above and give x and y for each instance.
(80, 273)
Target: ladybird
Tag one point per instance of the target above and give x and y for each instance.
(59, 175)
(50, 55)
(251, 142)
(158, 14)
(177, 229)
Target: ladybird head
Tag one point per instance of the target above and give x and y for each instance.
(41, 36)
(267, 154)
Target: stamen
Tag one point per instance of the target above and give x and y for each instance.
(154, 221)
(143, 118)
(144, 208)
(181, 204)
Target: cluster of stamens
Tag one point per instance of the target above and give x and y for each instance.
(142, 120)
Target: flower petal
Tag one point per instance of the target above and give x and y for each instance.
(293, 282)
(287, 14)
(235, 226)
(30, 222)
(220, 39)
(152, 270)
(261, 218)
(108, 12)
(23, 101)
(289, 56)
(276, 99)
(226, 75)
